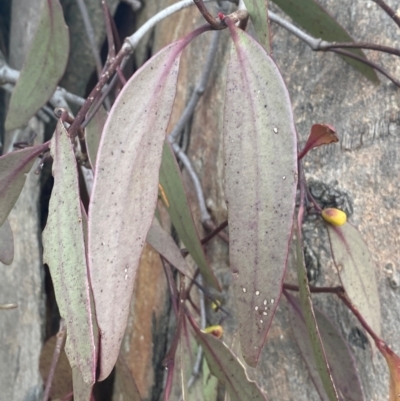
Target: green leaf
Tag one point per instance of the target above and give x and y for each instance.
(319, 23)
(260, 186)
(180, 213)
(43, 67)
(93, 134)
(64, 252)
(6, 244)
(14, 167)
(356, 271)
(210, 384)
(312, 327)
(338, 353)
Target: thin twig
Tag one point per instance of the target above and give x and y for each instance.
(389, 11)
(60, 337)
(215, 232)
(109, 31)
(324, 46)
(216, 23)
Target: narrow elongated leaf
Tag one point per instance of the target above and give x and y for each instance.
(64, 252)
(260, 186)
(356, 271)
(43, 67)
(228, 369)
(338, 353)
(318, 22)
(180, 213)
(6, 244)
(258, 11)
(393, 362)
(164, 244)
(312, 327)
(14, 167)
(125, 193)
(93, 134)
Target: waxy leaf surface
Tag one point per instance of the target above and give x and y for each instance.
(258, 11)
(321, 134)
(64, 252)
(356, 271)
(338, 353)
(180, 213)
(228, 369)
(43, 67)
(260, 186)
(6, 244)
(165, 245)
(14, 167)
(93, 133)
(125, 193)
(318, 22)
(393, 362)
(321, 362)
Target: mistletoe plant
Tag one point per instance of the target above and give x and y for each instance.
(93, 250)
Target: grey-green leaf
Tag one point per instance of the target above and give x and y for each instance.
(260, 186)
(318, 22)
(356, 271)
(180, 213)
(14, 167)
(43, 67)
(6, 244)
(258, 11)
(93, 134)
(64, 252)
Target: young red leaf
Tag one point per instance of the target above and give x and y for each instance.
(64, 252)
(312, 326)
(6, 244)
(393, 362)
(180, 213)
(125, 192)
(165, 245)
(14, 167)
(260, 186)
(338, 353)
(356, 271)
(321, 134)
(43, 67)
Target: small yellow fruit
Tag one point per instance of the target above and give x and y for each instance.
(334, 216)
(215, 305)
(216, 331)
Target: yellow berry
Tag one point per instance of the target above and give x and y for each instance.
(216, 331)
(334, 216)
(215, 305)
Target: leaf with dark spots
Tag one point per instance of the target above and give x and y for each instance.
(165, 245)
(339, 356)
(393, 362)
(43, 67)
(125, 193)
(64, 252)
(356, 271)
(228, 369)
(260, 186)
(308, 314)
(321, 134)
(6, 244)
(14, 167)
(93, 134)
(180, 213)
(318, 22)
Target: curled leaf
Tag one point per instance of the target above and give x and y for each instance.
(321, 134)
(6, 244)
(334, 216)
(43, 67)
(393, 362)
(260, 186)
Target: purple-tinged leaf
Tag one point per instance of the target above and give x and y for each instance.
(228, 369)
(43, 67)
(14, 167)
(312, 326)
(165, 245)
(124, 383)
(356, 271)
(258, 11)
(82, 390)
(125, 193)
(321, 134)
(260, 186)
(6, 244)
(180, 213)
(338, 353)
(393, 362)
(318, 22)
(64, 252)
(93, 133)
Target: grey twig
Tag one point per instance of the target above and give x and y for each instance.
(389, 11)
